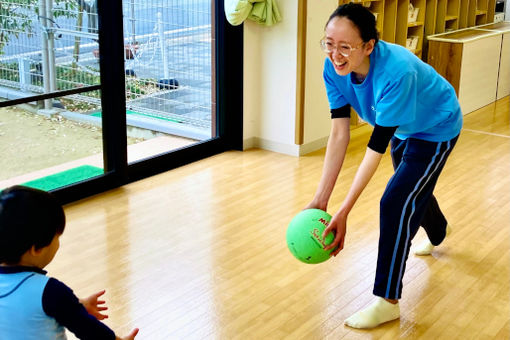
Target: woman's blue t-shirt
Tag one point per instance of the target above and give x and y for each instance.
(399, 90)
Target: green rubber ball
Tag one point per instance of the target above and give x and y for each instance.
(304, 236)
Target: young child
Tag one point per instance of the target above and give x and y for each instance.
(33, 305)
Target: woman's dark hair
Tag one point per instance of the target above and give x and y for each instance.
(28, 217)
(361, 17)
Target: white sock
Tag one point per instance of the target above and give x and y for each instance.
(377, 313)
(426, 247)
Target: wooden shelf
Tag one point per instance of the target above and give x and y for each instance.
(434, 16)
(450, 17)
(415, 24)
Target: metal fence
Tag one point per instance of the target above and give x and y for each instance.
(50, 45)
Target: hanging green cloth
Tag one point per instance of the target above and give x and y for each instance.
(264, 12)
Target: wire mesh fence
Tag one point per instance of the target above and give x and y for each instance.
(50, 45)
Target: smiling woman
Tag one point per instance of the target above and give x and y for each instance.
(349, 40)
(407, 102)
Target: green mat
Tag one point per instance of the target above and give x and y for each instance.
(129, 112)
(64, 178)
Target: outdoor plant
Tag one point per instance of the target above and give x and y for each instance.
(9, 71)
(21, 16)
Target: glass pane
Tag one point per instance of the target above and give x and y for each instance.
(47, 46)
(168, 62)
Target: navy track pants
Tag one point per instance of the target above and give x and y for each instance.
(407, 203)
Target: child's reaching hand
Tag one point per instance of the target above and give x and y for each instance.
(93, 305)
(130, 336)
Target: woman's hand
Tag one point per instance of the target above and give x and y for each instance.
(93, 305)
(338, 226)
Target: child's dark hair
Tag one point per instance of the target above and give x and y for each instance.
(361, 17)
(28, 217)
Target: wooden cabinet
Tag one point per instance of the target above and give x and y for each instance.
(503, 88)
(475, 61)
(504, 68)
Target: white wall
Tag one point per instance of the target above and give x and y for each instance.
(317, 114)
(270, 82)
(270, 61)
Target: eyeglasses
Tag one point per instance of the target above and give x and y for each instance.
(343, 48)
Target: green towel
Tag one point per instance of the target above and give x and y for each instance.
(264, 12)
(237, 11)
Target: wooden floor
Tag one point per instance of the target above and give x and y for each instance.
(199, 252)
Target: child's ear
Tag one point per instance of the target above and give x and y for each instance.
(34, 251)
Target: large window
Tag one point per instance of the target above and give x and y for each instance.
(95, 95)
(169, 74)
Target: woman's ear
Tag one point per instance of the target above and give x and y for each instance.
(369, 46)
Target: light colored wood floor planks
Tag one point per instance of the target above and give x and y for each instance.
(199, 252)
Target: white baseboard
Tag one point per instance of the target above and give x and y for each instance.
(249, 143)
(288, 149)
(313, 146)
